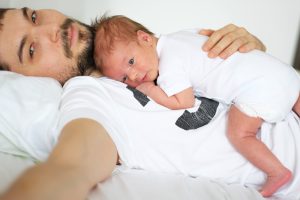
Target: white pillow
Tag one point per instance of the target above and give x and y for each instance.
(28, 114)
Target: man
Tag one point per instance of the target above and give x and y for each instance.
(47, 43)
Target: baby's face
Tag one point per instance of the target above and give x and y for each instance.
(132, 63)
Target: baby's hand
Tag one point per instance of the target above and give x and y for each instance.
(145, 87)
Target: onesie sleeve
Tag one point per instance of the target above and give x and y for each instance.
(173, 62)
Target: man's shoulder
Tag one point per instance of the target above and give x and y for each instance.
(93, 85)
(84, 81)
(78, 80)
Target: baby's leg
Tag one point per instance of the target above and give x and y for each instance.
(296, 107)
(242, 131)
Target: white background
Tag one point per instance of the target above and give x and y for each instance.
(275, 22)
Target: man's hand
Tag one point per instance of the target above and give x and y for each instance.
(229, 39)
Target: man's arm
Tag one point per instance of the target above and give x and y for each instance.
(84, 155)
(229, 39)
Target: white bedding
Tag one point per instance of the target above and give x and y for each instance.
(140, 184)
(128, 184)
(29, 109)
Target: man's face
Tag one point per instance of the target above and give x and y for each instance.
(44, 43)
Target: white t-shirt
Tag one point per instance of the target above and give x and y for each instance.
(190, 142)
(257, 83)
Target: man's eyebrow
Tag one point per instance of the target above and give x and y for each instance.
(24, 12)
(23, 41)
(20, 51)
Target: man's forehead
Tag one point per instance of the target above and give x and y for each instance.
(13, 15)
(10, 35)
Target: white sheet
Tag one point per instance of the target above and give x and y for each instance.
(29, 109)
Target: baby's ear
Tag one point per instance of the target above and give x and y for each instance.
(143, 36)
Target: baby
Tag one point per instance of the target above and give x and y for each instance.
(257, 86)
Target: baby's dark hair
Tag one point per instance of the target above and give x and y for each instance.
(112, 29)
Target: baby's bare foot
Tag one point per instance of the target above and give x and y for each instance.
(275, 182)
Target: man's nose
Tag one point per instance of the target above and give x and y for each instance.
(49, 31)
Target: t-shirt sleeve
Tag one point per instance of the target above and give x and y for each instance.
(90, 98)
(173, 63)
(83, 97)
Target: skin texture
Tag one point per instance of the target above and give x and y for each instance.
(85, 154)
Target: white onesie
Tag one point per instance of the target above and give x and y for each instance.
(257, 83)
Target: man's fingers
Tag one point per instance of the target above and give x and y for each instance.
(229, 39)
(206, 32)
(233, 47)
(247, 47)
(217, 36)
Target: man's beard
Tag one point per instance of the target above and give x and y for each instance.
(85, 61)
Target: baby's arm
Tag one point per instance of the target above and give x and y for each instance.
(181, 100)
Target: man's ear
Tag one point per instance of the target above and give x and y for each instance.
(143, 36)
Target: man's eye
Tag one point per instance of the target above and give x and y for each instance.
(131, 61)
(31, 51)
(33, 16)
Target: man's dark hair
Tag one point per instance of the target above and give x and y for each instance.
(2, 12)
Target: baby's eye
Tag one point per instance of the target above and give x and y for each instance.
(131, 61)
(33, 16)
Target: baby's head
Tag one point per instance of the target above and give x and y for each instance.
(125, 50)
